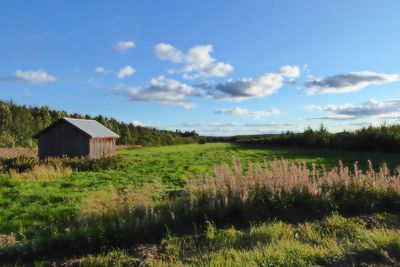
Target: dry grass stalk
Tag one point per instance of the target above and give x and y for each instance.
(280, 175)
(8, 240)
(41, 173)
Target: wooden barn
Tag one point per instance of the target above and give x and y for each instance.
(76, 138)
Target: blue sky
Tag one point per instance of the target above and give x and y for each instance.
(217, 67)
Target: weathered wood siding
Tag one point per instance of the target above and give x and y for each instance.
(63, 140)
(102, 147)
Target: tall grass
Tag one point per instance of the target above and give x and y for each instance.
(231, 197)
(41, 173)
(279, 176)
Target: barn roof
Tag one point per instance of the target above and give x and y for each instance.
(91, 128)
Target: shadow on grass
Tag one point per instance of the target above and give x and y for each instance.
(184, 215)
(328, 157)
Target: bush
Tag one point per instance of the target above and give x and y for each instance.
(202, 141)
(19, 164)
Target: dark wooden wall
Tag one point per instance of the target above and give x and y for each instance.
(102, 147)
(63, 140)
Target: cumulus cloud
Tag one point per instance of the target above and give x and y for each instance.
(369, 108)
(29, 76)
(261, 86)
(243, 112)
(161, 90)
(123, 46)
(168, 52)
(195, 63)
(349, 82)
(125, 71)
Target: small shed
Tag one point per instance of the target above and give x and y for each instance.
(76, 138)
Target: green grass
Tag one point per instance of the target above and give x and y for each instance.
(45, 208)
(334, 241)
(36, 207)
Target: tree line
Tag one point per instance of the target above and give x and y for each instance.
(384, 138)
(19, 123)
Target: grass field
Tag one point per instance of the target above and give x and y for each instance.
(33, 208)
(28, 206)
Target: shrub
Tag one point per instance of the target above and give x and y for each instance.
(202, 141)
(19, 164)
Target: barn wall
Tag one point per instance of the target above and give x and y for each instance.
(102, 147)
(63, 140)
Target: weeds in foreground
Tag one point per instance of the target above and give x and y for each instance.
(350, 242)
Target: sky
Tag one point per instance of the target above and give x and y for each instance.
(221, 67)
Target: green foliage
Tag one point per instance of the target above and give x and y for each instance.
(19, 164)
(19, 123)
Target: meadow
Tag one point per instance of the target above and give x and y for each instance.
(78, 209)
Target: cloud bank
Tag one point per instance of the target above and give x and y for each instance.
(371, 108)
(242, 112)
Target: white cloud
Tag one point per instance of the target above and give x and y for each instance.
(261, 86)
(349, 82)
(168, 52)
(290, 71)
(371, 108)
(125, 71)
(161, 90)
(102, 70)
(99, 69)
(247, 113)
(196, 63)
(35, 77)
(123, 46)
